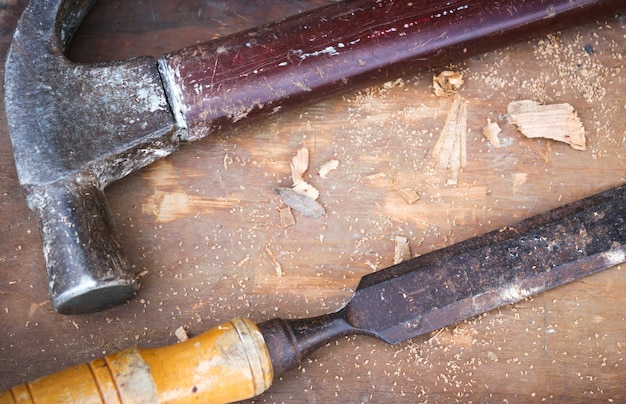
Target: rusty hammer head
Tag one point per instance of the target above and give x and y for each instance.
(75, 128)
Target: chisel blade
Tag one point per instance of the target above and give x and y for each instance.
(492, 270)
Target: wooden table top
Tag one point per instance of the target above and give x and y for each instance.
(202, 226)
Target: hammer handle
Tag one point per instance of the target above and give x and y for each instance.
(215, 85)
(225, 364)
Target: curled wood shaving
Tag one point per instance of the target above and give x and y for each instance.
(327, 167)
(299, 165)
(447, 83)
(554, 121)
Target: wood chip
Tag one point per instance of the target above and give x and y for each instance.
(555, 121)
(181, 334)
(491, 132)
(450, 149)
(306, 189)
(327, 167)
(299, 165)
(447, 83)
(301, 203)
(286, 217)
(401, 251)
(409, 195)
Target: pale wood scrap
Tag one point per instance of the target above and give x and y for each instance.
(491, 132)
(409, 195)
(450, 149)
(306, 189)
(402, 250)
(554, 121)
(299, 165)
(181, 334)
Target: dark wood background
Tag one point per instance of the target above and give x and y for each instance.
(202, 225)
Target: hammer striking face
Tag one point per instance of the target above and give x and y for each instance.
(75, 128)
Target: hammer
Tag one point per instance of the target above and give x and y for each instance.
(75, 128)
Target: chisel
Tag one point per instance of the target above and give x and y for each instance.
(239, 360)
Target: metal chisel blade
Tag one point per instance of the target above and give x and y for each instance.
(493, 270)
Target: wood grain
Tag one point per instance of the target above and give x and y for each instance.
(197, 226)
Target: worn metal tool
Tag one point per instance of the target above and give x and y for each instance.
(239, 360)
(75, 128)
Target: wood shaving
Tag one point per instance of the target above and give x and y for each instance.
(181, 334)
(300, 203)
(491, 132)
(286, 217)
(307, 190)
(450, 149)
(554, 121)
(327, 167)
(447, 83)
(402, 250)
(299, 165)
(409, 195)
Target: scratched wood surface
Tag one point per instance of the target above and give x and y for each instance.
(202, 226)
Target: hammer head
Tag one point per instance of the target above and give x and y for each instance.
(74, 129)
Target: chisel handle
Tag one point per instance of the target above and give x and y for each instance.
(227, 363)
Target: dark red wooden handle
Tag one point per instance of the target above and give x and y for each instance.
(216, 84)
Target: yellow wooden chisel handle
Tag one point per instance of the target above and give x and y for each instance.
(227, 363)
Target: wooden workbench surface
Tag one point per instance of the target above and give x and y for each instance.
(202, 227)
